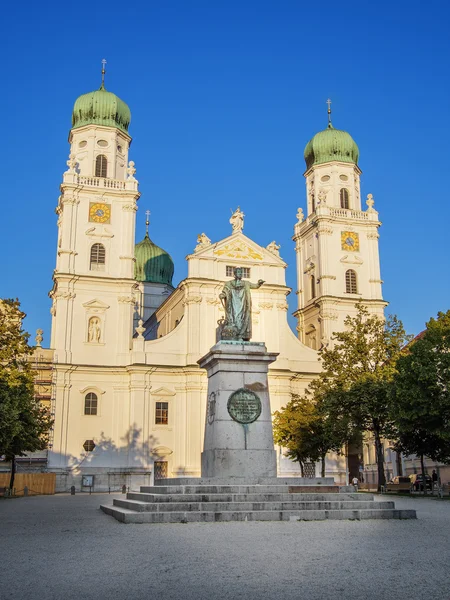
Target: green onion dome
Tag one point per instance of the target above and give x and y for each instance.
(153, 264)
(101, 108)
(331, 144)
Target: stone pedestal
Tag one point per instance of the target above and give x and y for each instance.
(238, 428)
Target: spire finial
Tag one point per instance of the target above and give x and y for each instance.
(329, 113)
(103, 73)
(147, 221)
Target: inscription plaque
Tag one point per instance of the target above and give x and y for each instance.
(244, 406)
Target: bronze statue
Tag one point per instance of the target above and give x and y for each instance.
(237, 303)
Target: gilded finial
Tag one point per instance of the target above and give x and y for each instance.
(103, 74)
(147, 221)
(329, 114)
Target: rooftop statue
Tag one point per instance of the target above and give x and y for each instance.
(237, 303)
(237, 220)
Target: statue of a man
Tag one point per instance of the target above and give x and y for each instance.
(237, 302)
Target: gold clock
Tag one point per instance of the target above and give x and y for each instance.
(350, 241)
(99, 212)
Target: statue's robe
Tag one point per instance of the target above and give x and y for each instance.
(238, 306)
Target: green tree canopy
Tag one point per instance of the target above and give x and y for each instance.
(24, 423)
(356, 376)
(421, 394)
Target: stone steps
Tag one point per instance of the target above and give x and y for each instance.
(248, 506)
(216, 501)
(130, 516)
(239, 489)
(267, 497)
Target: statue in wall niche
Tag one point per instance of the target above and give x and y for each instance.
(237, 220)
(237, 303)
(94, 331)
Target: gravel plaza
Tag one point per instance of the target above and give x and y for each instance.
(64, 547)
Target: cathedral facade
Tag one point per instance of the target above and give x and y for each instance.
(129, 397)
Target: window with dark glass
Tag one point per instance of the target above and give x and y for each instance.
(162, 413)
(344, 198)
(98, 257)
(90, 404)
(101, 166)
(351, 286)
(89, 445)
(313, 286)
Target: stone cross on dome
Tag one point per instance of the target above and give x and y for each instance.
(329, 112)
(103, 73)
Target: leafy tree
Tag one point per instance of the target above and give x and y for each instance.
(357, 373)
(24, 423)
(421, 394)
(305, 432)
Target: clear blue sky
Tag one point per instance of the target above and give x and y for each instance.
(224, 97)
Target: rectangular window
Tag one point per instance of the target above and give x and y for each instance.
(162, 413)
(245, 272)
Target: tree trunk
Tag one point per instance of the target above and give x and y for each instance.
(302, 468)
(322, 472)
(13, 472)
(380, 459)
(424, 481)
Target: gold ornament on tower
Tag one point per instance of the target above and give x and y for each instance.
(99, 212)
(350, 241)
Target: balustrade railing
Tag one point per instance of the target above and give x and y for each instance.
(101, 182)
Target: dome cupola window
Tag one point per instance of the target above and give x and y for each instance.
(344, 198)
(101, 166)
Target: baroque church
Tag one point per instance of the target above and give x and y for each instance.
(129, 397)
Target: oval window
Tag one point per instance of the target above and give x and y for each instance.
(325, 178)
(102, 143)
(343, 177)
(82, 144)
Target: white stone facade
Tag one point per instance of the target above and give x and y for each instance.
(148, 390)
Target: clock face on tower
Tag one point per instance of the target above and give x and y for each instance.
(350, 241)
(99, 212)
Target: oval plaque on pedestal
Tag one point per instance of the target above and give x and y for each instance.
(244, 406)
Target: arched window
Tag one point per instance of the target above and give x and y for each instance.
(98, 257)
(344, 198)
(312, 282)
(351, 286)
(101, 166)
(90, 404)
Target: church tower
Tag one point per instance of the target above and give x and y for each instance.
(94, 287)
(337, 243)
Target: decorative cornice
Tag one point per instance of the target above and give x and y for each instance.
(192, 300)
(126, 300)
(64, 295)
(266, 305)
(373, 236)
(333, 277)
(283, 306)
(130, 207)
(323, 230)
(214, 301)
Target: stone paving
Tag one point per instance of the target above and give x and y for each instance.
(64, 547)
